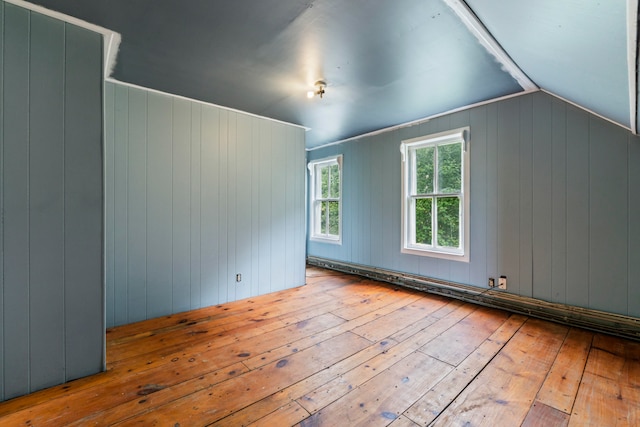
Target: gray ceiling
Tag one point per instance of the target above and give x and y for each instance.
(386, 62)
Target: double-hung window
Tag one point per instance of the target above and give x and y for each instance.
(326, 199)
(435, 195)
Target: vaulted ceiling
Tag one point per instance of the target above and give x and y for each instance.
(385, 62)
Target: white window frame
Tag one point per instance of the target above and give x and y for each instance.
(460, 135)
(316, 200)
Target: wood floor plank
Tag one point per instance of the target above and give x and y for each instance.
(420, 324)
(385, 397)
(350, 325)
(174, 339)
(454, 345)
(618, 346)
(87, 403)
(391, 323)
(287, 415)
(426, 409)
(221, 314)
(332, 390)
(295, 391)
(107, 416)
(369, 302)
(543, 415)
(207, 406)
(505, 390)
(609, 393)
(561, 385)
(403, 421)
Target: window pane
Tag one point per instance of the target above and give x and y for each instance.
(449, 168)
(324, 180)
(424, 170)
(335, 181)
(449, 222)
(423, 221)
(323, 217)
(334, 217)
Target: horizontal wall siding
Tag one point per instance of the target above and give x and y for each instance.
(195, 195)
(51, 255)
(553, 204)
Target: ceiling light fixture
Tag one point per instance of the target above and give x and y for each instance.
(320, 85)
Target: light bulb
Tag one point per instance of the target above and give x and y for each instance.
(310, 94)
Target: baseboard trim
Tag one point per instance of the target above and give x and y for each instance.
(598, 321)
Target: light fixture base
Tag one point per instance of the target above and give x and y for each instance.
(320, 86)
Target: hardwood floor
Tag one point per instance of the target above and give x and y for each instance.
(346, 351)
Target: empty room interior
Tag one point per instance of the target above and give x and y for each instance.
(319, 213)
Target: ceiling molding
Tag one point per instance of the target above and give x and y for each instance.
(111, 38)
(471, 21)
(632, 61)
(425, 119)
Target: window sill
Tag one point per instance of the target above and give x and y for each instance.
(320, 239)
(436, 254)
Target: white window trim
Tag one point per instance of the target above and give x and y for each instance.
(406, 248)
(313, 209)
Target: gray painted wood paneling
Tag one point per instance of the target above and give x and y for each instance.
(525, 180)
(135, 288)
(109, 178)
(244, 193)
(118, 207)
(83, 228)
(195, 190)
(16, 201)
(478, 146)
(51, 261)
(508, 192)
(634, 226)
(491, 220)
(577, 207)
(559, 202)
(2, 198)
(552, 203)
(208, 196)
(159, 207)
(181, 206)
(608, 216)
(222, 206)
(46, 202)
(542, 192)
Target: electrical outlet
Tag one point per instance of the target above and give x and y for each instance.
(502, 282)
(492, 282)
(238, 277)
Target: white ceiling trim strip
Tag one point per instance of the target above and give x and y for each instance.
(425, 119)
(485, 38)
(111, 38)
(632, 52)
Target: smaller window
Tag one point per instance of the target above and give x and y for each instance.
(326, 199)
(435, 195)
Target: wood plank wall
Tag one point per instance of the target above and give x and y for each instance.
(555, 204)
(51, 285)
(194, 195)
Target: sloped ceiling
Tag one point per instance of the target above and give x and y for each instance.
(385, 62)
(576, 49)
